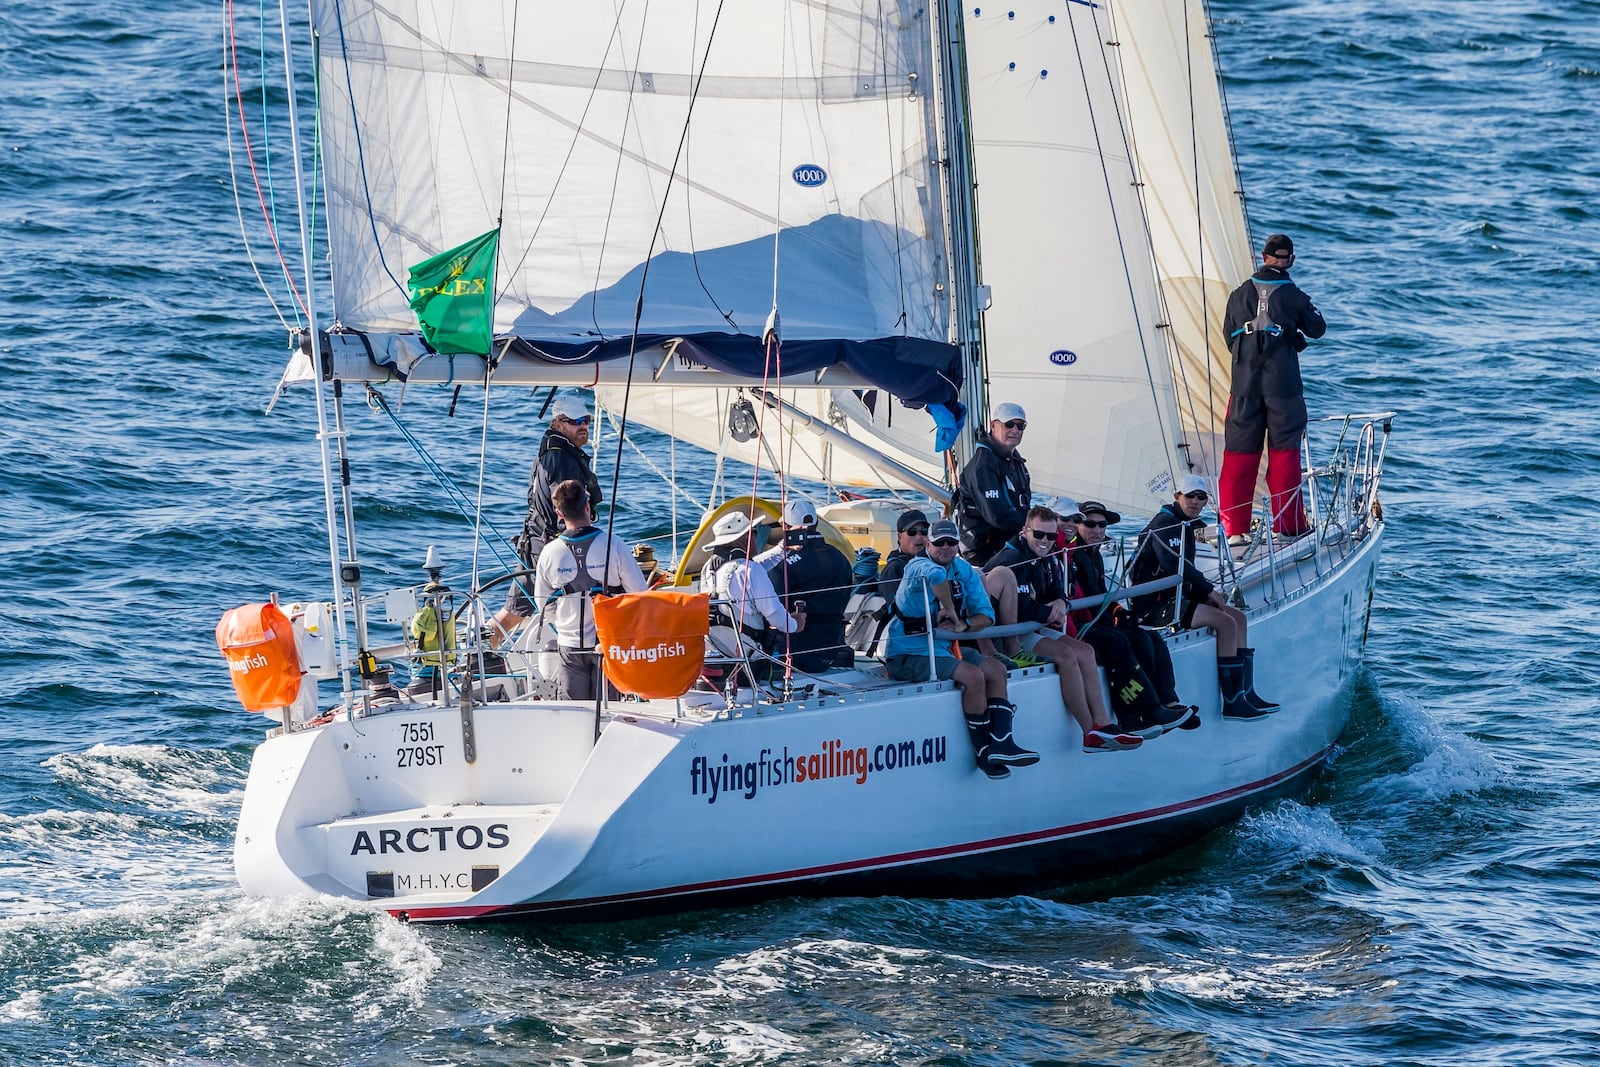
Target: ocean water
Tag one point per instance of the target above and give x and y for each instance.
(1433, 900)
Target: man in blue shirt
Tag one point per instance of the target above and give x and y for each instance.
(943, 591)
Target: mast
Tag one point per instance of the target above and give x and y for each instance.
(324, 437)
(968, 298)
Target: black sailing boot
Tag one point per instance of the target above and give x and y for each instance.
(1230, 680)
(978, 731)
(1256, 699)
(1003, 748)
(1144, 711)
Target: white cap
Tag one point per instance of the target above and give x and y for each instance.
(1065, 507)
(1007, 412)
(1191, 483)
(568, 407)
(730, 528)
(799, 512)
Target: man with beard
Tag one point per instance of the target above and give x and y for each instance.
(561, 458)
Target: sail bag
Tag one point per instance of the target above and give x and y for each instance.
(652, 644)
(258, 642)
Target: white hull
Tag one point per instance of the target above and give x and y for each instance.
(546, 822)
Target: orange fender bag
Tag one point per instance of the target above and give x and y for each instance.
(652, 644)
(258, 642)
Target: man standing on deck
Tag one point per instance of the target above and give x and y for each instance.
(1267, 322)
(561, 457)
(579, 563)
(994, 492)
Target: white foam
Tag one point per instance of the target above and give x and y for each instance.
(1306, 832)
(157, 777)
(1451, 765)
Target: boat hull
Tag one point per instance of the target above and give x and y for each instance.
(863, 792)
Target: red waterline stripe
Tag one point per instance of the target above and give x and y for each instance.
(895, 860)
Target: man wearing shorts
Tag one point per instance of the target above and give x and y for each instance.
(943, 591)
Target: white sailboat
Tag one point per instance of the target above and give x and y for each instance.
(827, 211)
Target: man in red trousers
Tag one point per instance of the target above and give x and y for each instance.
(1267, 322)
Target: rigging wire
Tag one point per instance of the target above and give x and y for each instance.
(456, 496)
(1116, 223)
(361, 154)
(638, 308)
(1200, 251)
(1183, 398)
(233, 172)
(572, 146)
(266, 133)
(231, 61)
(611, 204)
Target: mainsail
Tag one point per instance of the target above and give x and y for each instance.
(666, 176)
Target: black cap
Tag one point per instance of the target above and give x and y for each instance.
(1089, 506)
(909, 519)
(1278, 245)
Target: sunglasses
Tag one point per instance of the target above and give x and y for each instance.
(1196, 496)
(1015, 424)
(918, 531)
(1098, 524)
(945, 542)
(1043, 535)
(578, 422)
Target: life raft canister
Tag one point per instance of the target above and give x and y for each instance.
(258, 642)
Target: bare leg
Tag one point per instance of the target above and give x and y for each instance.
(1222, 622)
(994, 678)
(1070, 679)
(1089, 667)
(1001, 585)
(974, 702)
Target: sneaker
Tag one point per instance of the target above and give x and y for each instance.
(1238, 540)
(1149, 733)
(1027, 659)
(1107, 739)
(1008, 662)
(1172, 718)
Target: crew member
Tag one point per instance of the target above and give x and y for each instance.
(993, 494)
(1267, 321)
(1165, 549)
(743, 586)
(1132, 655)
(580, 562)
(941, 590)
(561, 457)
(1027, 582)
(805, 569)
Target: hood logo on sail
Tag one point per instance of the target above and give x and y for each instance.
(1063, 358)
(809, 175)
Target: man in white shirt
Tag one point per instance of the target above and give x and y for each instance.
(745, 586)
(573, 567)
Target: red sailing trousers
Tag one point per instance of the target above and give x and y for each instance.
(1252, 422)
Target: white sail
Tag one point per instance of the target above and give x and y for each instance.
(1087, 209)
(1193, 203)
(808, 147)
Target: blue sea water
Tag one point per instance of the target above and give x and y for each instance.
(1434, 900)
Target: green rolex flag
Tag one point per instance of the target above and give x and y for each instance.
(453, 296)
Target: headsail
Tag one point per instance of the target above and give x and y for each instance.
(1067, 117)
